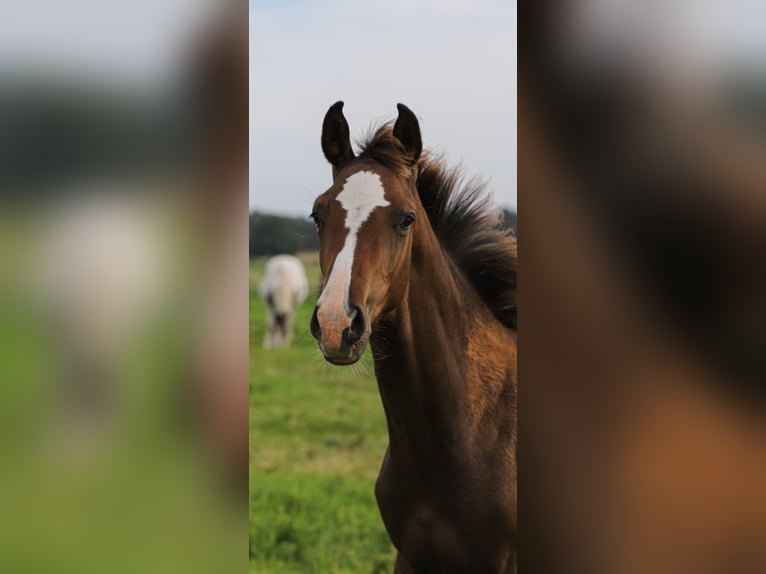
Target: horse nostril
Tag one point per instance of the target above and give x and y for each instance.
(358, 325)
(316, 330)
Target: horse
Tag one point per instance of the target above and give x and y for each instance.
(284, 286)
(415, 263)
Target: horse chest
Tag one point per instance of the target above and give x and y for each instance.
(442, 529)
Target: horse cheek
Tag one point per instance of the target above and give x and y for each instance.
(398, 279)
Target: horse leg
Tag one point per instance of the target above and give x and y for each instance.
(267, 339)
(401, 566)
(289, 329)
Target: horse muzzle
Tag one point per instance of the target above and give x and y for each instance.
(342, 335)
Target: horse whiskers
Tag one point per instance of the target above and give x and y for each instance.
(318, 359)
(357, 369)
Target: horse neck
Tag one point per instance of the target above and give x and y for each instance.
(420, 350)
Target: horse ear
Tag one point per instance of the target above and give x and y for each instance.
(336, 142)
(407, 131)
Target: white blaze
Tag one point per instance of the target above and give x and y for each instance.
(361, 194)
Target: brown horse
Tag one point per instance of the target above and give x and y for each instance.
(414, 262)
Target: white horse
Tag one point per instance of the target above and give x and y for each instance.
(284, 286)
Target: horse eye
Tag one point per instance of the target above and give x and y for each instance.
(407, 221)
(316, 219)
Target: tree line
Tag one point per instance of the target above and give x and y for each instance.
(273, 234)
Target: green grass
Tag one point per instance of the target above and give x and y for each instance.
(317, 438)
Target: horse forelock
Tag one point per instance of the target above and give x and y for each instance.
(381, 146)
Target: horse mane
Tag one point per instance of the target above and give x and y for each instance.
(464, 218)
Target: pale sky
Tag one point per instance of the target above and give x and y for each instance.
(453, 62)
(141, 45)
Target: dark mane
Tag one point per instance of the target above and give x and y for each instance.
(463, 216)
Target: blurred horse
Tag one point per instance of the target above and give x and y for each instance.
(284, 286)
(415, 263)
(643, 292)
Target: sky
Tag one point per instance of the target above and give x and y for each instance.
(453, 62)
(140, 45)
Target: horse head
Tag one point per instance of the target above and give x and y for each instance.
(365, 222)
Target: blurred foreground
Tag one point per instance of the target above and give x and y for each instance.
(642, 184)
(123, 287)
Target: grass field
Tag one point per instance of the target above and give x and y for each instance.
(317, 438)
